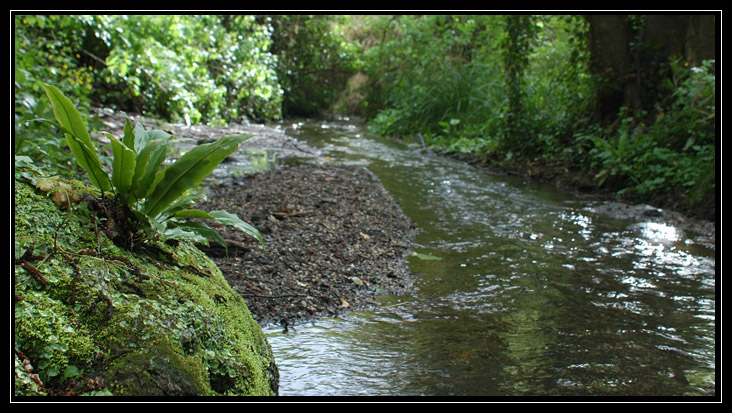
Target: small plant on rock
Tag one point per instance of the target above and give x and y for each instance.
(151, 200)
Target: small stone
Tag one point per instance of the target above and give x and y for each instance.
(61, 193)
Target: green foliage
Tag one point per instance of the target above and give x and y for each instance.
(77, 137)
(689, 116)
(520, 32)
(42, 322)
(559, 90)
(404, 53)
(454, 95)
(438, 76)
(313, 61)
(195, 67)
(516, 84)
(159, 196)
(47, 50)
(676, 152)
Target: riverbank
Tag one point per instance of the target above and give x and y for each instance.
(334, 239)
(91, 318)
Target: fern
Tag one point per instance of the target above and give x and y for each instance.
(159, 197)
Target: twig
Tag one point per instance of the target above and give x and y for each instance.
(94, 57)
(32, 271)
(271, 296)
(292, 141)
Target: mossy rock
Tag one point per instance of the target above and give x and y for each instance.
(92, 318)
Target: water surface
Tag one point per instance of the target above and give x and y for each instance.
(532, 292)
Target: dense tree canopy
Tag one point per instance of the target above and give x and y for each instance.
(628, 99)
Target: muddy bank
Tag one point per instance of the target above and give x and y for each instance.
(334, 239)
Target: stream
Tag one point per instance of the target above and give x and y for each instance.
(522, 289)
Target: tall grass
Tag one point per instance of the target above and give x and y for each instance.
(453, 93)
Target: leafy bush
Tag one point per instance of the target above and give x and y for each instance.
(676, 152)
(559, 89)
(149, 196)
(313, 61)
(47, 51)
(523, 96)
(200, 68)
(196, 68)
(462, 93)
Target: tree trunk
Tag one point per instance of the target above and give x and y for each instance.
(612, 62)
(631, 55)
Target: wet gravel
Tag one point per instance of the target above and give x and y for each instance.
(334, 240)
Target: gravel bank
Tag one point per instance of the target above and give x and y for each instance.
(334, 239)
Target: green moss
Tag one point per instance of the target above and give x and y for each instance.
(132, 323)
(161, 369)
(45, 328)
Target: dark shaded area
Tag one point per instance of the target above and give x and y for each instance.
(630, 56)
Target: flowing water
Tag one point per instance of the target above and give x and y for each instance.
(523, 289)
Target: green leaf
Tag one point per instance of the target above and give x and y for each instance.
(71, 371)
(193, 213)
(129, 135)
(227, 218)
(123, 167)
(183, 202)
(158, 134)
(140, 136)
(148, 163)
(224, 218)
(51, 371)
(183, 234)
(77, 137)
(188, 171)
(194, 231)
(427, 257)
